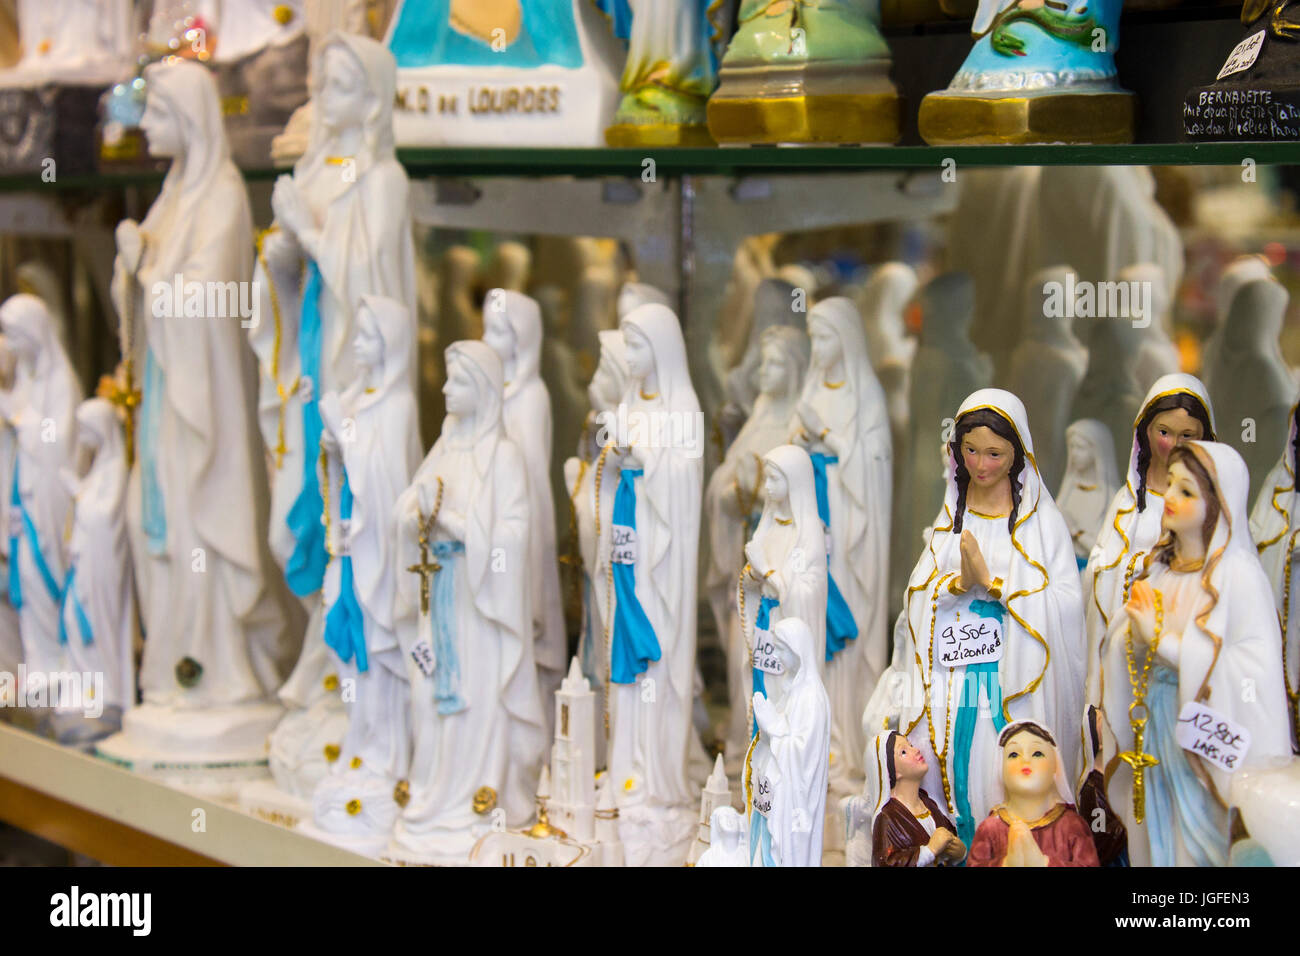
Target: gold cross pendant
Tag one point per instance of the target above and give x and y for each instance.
(1139, 761)
(426, 569)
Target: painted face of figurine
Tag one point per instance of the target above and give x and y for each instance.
(343, 95)
(459, 389)
(909, 762)
(162, 132)
(776, 485)
(773, 371)
(640, 357)
(1184, 503)
(826, 349)
(1028, 765)
(987, 456)
(497, 333)
(368, 346)
(1081, 454)
(1169, 428)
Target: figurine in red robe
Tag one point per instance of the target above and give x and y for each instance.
(909, 828)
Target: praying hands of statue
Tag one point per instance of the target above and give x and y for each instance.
(943, 842)
(1022, 848)
(293, 214)
(283, 256)
(974, 570)
(770, 721)
(1141, 611)
(812, 422)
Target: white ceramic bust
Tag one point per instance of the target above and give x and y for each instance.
(478, 728)
(1090, 481)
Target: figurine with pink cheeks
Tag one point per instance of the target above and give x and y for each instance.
(1036, 825)
(909, 829)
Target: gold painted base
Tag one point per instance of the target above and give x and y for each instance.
(964, 119)
(644, 134)
(824, 118)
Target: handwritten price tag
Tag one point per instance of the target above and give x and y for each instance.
(422, 654)
(763, 795)
(1213, 737)
(968, 631)
(622, 544)
(764, 657)
(1243, 55)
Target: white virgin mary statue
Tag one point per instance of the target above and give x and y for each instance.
(1275, 526)
(784, 576)
(999, 552)
(97, 618)
(1089, 483)
(465, 613)
(40, 409)
(372, 430)
(843, 421)
(655, 531)
(342, 230)
(1199, 629)
(788, 762)
(214, 621)
(512, 327)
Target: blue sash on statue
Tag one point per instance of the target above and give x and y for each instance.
(840, 625)
(761, 837)
(1175, 796)
(345, 629)
(446, 675)
(305, 570)
(763, 622)
(153, 515)
(972, 677)
(83, 622)
(33, 542)
(424, 36)
(633, 644)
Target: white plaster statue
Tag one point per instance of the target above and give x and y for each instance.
(1199, 625)
(479, 732)
(40, 412)
(1158, 353)
(787, 765)
(370, 447)
(1109, 391)
(1046, 368)
(774, 305)
(512, 327)
(728, 839)
(842, 420)
(1237, 273)
(1253, 384)
(632, 295)
(97, 618)
(1000, 548)
(1089, 485)
(655, 530)
(882, 302)
(73, 41)
(214, 617)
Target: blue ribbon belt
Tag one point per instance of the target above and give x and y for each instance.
(840, 625)
(446, 675)
(83, 622)
(305, 570)
(634, 644)
(154, 516)
(345, 629)
(763, 622)
(972, 676)
(33, 542)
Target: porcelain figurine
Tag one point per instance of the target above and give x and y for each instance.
(999, 552)
(787, 765)
(213, 614)
(882, 303)
(369, 450)
(1273, 525)
(842, 420)
(72, 42)
(465, 611)
(512, 327)
(671, 69)
(784, 575)
(947, 368)
(774, 306)
(1199, 630)
(1037, 74)
(728, 839)
(632, 295)
(503, 72)
(1109, 837)
(807, 73)
(39, 411)
(1035, 824)
(1177, 408)
(97, 621)
(1089, 485)
(654, 536)
(1235, 274)
(1047, 367)
(908, 828)
(1251, 378)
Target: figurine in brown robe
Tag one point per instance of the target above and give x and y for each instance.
(909, 828)
(1035, 825)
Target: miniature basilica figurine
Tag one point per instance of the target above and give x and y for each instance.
(998, 563)
(1191, 689)
(1089, 484)
(787, 764)
(465, 621)
(908, 828)
(1035, 824)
